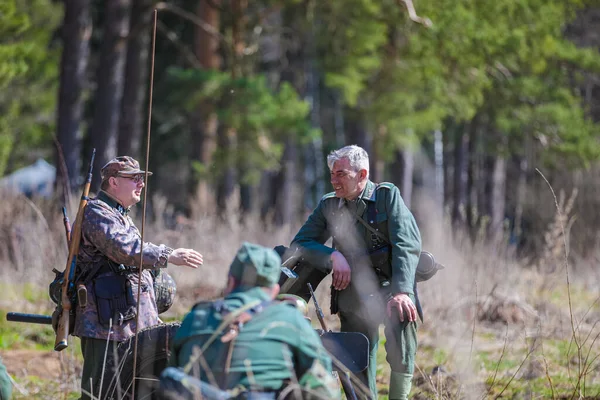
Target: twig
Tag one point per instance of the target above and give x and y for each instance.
(546, 370)
(105, 353)
(412, 13)
(498, 363)
(208, 28)
(428, 379)
(529, 352)
(472, 339)
(197, 353)
(566, 253)
(172, 36)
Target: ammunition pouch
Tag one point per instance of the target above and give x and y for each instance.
(381, 261)
(114, 299)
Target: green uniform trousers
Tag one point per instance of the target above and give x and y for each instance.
(400, 345)
(93, 351)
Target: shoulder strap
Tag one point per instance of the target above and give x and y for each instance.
(228, 320)
(372, 230)
(372, 212)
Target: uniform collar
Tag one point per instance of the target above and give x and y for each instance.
(113, 203)
(368, 194)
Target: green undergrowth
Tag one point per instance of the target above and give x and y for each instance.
(18, 335)
(34, 387)
(548, 368)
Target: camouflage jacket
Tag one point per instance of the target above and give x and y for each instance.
(108, 233)
(275, 347)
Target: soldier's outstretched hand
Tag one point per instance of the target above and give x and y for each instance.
(186, 258)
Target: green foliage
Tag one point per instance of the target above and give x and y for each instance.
(28, 79)
(506, 61)
(349, 36)
(260, 117)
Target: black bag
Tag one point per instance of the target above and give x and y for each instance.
(306, 272)
(114, 299)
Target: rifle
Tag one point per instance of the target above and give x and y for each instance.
(29, 318)
(176, 384)
(65, 307)
(67, 225)
(318, 309)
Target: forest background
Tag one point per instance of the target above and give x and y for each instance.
(484, 113)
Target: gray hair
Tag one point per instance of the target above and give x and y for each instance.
(357, 156)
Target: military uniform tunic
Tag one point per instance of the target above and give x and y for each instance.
(362, 304)
(108, 234)
(273, 348)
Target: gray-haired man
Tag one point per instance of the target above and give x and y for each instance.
(376, 247)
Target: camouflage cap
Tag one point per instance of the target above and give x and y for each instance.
(123, 165)
(255, 265)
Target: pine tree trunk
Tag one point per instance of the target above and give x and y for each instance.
(109, 78)
(403, 167)
(204, 129)
(377, 165)
(439, 171)
(131, 120)
(471, 188)
(282, 188)
(76, 32)
(461, 157)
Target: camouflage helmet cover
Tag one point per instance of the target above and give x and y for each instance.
(297, 301)
(164, 291)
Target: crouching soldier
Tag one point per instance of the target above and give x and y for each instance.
(249, 345)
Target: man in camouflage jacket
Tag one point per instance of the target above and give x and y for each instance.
(107, 264)
(373, 262)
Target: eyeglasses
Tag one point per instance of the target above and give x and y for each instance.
(135, 178)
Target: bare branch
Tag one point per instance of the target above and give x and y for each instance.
(412, 14)
(172, 36)
(192, 18)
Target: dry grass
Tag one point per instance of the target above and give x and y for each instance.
(493, 327)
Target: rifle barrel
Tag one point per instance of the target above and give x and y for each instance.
(67, 225)
(29, 318)
(318, 309)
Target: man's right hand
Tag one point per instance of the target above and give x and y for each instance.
(341, 271)
(186, 258)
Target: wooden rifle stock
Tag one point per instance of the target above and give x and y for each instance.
(62, 330)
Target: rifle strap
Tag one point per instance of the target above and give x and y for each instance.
(227, 321)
